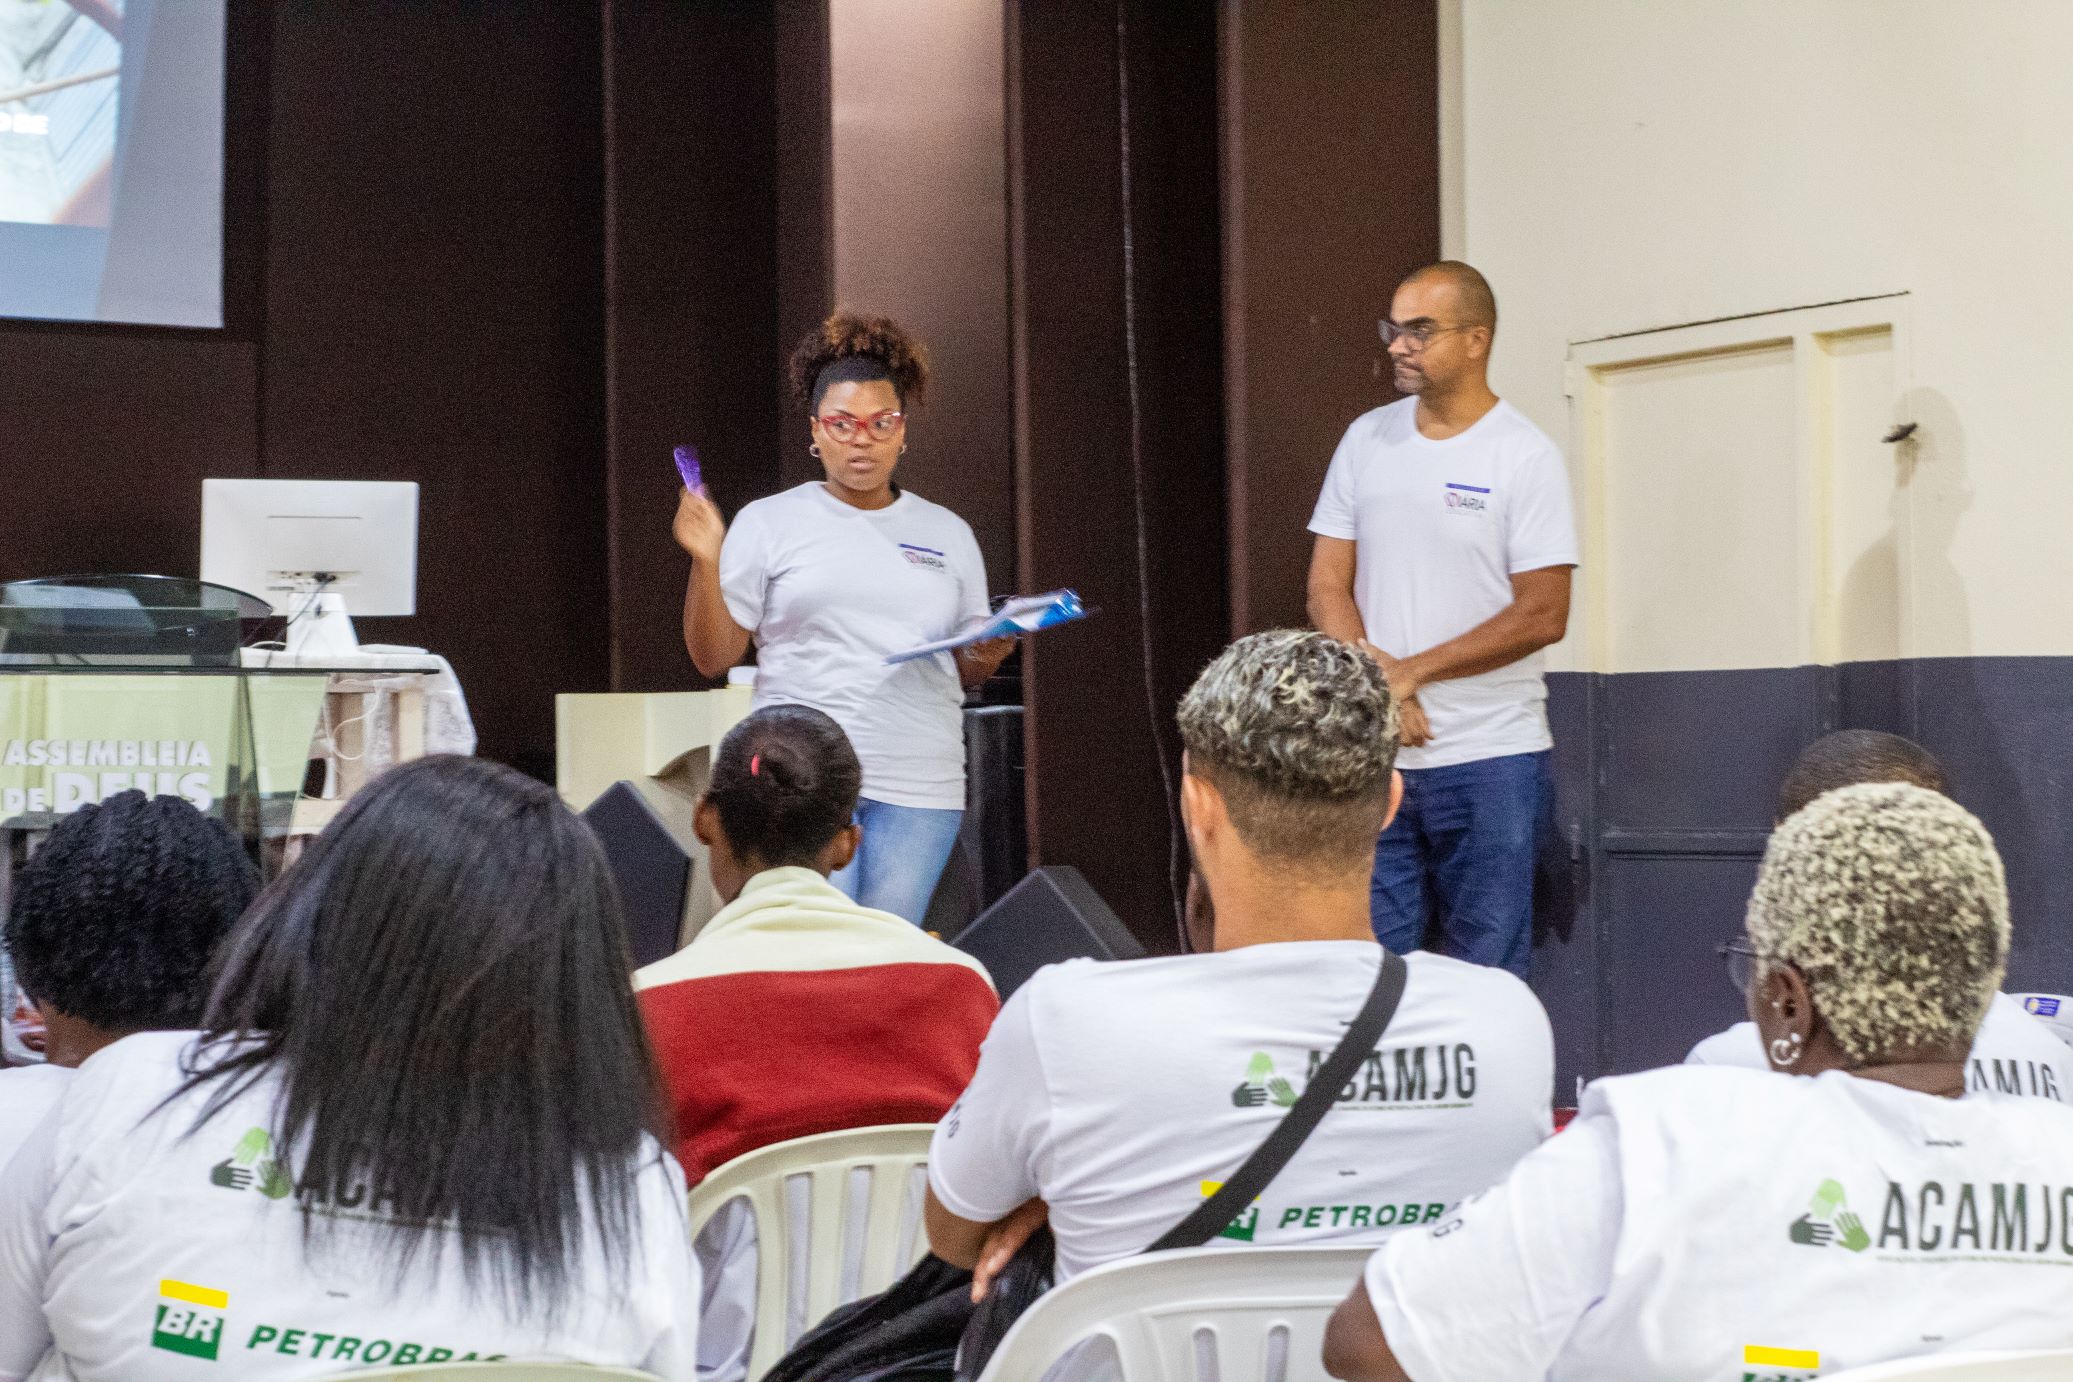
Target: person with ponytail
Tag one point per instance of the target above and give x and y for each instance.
(832, 577)
(795, 1010)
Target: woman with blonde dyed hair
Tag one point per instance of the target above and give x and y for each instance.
(1705, 1222)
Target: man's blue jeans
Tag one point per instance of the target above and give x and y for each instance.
(1459, 858)
(902, 856)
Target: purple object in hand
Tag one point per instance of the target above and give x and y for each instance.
(687, 467)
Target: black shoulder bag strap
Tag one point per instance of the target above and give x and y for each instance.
(1215, 1214)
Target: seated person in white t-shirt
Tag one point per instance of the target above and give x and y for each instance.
(1696, 1224)
(1116, 1096)
(2015, 1052)
(110, 929)
(420, 1124)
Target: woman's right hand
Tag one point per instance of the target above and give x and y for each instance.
(699, 529)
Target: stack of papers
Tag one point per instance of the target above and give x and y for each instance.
(1023, 614)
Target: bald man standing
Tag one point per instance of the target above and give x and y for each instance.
(1445, 544)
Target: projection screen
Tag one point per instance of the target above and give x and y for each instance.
(111, 160)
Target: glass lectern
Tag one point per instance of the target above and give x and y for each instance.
(109, 683)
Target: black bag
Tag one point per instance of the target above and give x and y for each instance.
(924, 1328)
(907, 1333)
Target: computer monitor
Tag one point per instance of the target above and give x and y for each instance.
(319, 550)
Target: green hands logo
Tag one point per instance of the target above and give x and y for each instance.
(1828, 1222)
(1262, 1085)
(252, 1166)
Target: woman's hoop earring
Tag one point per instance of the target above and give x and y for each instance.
(903, 448)
(813, 449)
(1787, 1049)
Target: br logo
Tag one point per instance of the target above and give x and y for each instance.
(189, 1319)
(1828, 1222)
(1798, 1364)
(1245, 1225)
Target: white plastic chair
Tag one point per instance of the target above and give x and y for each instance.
(506, 1372)
(1197, 1315)
(2050, 1365)
(838, 1216)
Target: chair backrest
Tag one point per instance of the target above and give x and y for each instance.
(2051, 1365)
(506, 1372)
(1198, 1315)
(838, 1216)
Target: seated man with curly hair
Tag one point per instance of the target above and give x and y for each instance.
(1115, 1097)
(113, 923)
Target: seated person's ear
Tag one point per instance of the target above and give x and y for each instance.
(705, 822)
(837, 853)
(1201, 805)
(1198, 916)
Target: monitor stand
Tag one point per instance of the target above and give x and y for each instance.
(320, 625)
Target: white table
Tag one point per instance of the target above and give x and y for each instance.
(382, 706)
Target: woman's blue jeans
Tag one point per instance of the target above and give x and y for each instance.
(902, 855)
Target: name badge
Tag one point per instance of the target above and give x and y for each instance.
(928, 558)
(1467, 499)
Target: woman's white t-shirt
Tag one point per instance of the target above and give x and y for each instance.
(1123, 1094)
(830, 591)
(131, 1252)
(1710, 1224)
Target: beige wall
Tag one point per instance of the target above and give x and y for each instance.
(1621, 166)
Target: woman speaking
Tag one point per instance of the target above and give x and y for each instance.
(832, 577)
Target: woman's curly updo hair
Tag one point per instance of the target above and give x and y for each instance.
(853, 349)
(785, 782)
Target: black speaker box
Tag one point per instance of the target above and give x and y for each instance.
(1054, 914)
(653, 870)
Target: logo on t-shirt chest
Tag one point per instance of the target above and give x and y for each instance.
(1397, 1078)
(189, 1319)
(1466, 501)
(2010, 1076)
(928, 558)
(1408, 1078)
(252, 1165)
(2014, 1222)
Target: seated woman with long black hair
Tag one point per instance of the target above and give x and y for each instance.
(420, 1125)
(1707, 1222)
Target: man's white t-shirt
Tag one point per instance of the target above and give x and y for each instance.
(830, 591)
(27, 1094)
(1124, 1093)
(130, 1252)
(1709, 1225)
(1440, 528)
(2014, 1053)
